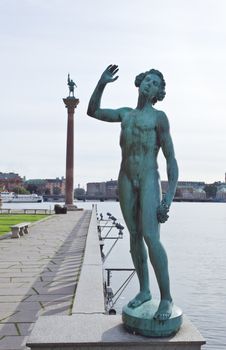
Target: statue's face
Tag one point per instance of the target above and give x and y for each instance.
(149, 86)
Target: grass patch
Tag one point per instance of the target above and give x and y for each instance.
(12, 219)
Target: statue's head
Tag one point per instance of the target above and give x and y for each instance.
(161, 91)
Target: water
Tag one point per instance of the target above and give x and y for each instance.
(195, 241)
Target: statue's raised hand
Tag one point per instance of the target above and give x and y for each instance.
(108, 75)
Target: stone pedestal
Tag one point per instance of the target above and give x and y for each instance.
(141, 320)
(70, 103)
(71, 207)
(98, 331)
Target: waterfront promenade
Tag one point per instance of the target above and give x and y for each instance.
(39, 274)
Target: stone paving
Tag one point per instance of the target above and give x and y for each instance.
(39, 274)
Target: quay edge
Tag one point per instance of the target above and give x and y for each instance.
(89, 327)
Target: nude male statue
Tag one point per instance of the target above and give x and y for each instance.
(144, 130)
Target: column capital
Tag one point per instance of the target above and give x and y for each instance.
(71, 103)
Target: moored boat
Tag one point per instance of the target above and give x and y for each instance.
(12, 197)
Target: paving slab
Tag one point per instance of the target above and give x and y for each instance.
(12, 298)
(13, 343)
(16, 291)
(24, 305)
(49, 297)
(13, 274)
(54, 305)
(21, 316)
(5, 314)
(8, 329)
(65, 290)
(50, 276)
(39, 274)
(25, 328)
(10, 285)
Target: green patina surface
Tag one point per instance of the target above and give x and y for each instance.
(71, 85)
(9, 220)
(141, 320)
(144, 132)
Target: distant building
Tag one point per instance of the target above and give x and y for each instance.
(194, 184)
(55, 186)
(184, 192)
(104, 190)
(46, 186)
(96, 189)
(112, 189)
(187, 189)
(221, 192)
(8, 181)
(199, 193)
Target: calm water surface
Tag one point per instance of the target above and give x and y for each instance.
(195, 241)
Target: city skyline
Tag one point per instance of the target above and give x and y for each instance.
(76, 186)
(42, 42)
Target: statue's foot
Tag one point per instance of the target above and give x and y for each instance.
(139, 299)
(164, 310)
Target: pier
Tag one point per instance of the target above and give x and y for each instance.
(52, 295)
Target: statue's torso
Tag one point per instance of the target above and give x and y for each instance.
(139, 142)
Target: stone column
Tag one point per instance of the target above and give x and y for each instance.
(70, 103)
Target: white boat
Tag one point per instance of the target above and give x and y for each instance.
(6, 197)
(12, 197)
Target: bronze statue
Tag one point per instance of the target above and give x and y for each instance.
(71, 85)
(144, 130)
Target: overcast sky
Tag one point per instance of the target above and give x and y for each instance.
(44, 40)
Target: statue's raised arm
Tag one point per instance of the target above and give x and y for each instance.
(94, 109)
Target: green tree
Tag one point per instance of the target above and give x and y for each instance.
(20, 190)
(79, 192)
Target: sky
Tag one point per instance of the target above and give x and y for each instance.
(43, 40)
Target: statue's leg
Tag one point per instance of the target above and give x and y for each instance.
(129, 205)
(150, 200)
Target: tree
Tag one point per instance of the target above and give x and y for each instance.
(20, 190)
(32, 188)
(79, 192)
